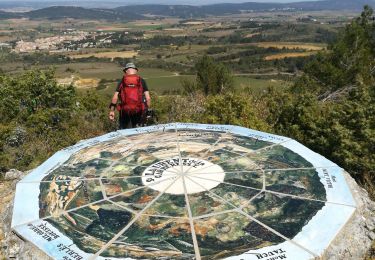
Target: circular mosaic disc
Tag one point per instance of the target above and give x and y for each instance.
(184, 191)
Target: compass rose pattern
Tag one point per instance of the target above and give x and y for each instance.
(184, 191)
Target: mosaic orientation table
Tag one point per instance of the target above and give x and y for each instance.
(183, 191)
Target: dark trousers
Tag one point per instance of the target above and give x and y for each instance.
(130, 120)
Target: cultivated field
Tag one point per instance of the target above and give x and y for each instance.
(280, 56)
(291, 45)
(109, 54)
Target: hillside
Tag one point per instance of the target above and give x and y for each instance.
(8, 15)
(58, 12)
(187, 11)
(134, 12)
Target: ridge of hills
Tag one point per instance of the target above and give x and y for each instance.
(232, 8)
(133, 12)
(60, 12)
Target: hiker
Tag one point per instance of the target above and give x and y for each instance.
(134, 97)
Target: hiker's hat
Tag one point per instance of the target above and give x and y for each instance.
(130, 66)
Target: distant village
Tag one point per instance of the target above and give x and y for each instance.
(70, 40)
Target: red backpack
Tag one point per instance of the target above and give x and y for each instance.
(131, 94)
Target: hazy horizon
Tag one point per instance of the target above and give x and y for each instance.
(126, 2)
(161, 1)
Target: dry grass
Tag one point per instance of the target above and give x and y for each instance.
(280, 56)
(86, 83)
(65, 81)
(249, 35)
(290, 46)
(109, 54)
(194, 23)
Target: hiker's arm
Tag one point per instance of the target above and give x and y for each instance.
(112, 108)
(148, 98)
(115, 98)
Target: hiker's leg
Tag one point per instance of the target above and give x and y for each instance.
(143, 120)
(125, 120)
(128, 121)
(122, 120)
(139, 119)
(135, 120)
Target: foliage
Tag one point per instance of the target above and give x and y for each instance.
(350, 60)
(233, 109)
(229, 108)
(331, 109)
(213, 77)
(39, 117)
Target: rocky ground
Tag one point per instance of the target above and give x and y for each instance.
(12, 246)
(354, 242)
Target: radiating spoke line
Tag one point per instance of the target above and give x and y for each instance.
(238, 157)
(227, 183)
(309, 199)
(163, 216)
(102, 188)
(137, 216)
(126, 152)
(80, 216)
(215, 214)
(143, 166)
(101, 176)
(263, 180)
(212, 193)
(225, 150)
(123, 207)
(239, 210)
(121, 177)
(221, 198)
(290, 169)
(300, 168)
(123, 139)
(180, 157)
(148, 152)
(130, 176)
(277, 233)
(231, 172)
(95, 202)
(110, 167)
(210, 173)
(67, 180)
(263, 173)
(250, 200)
(170, 170)
(211, 147)
(153, 141)
(191, 221)
(98, 178)
(134, 146)
(179, 152)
